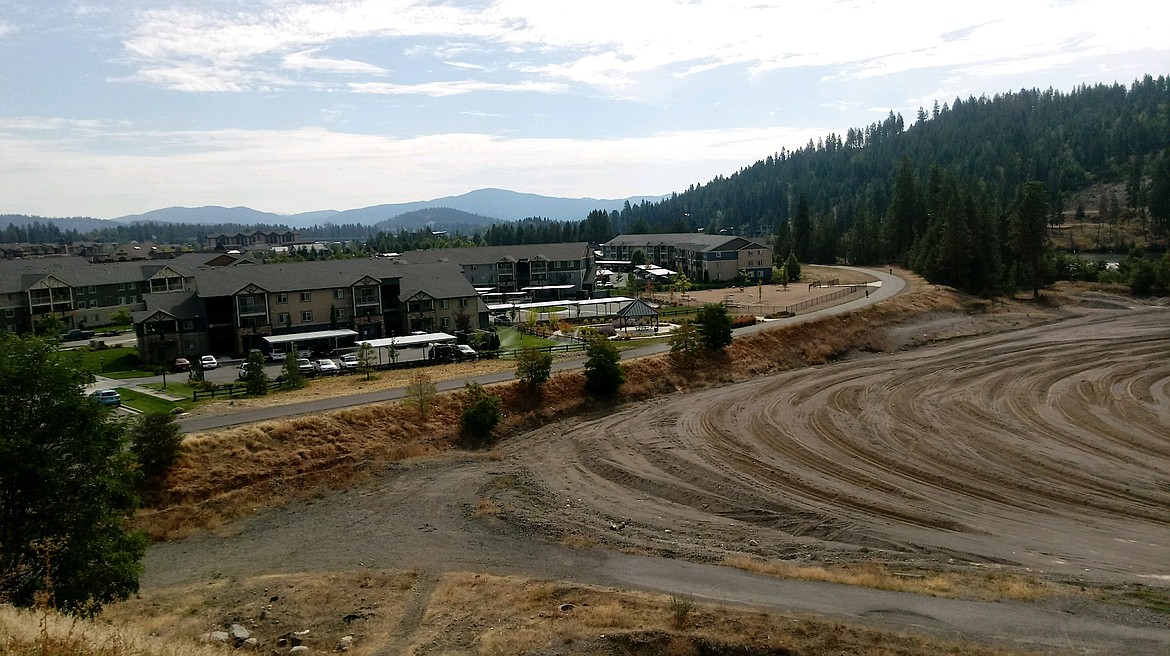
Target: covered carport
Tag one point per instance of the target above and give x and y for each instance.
(330, 339)
(384, 345)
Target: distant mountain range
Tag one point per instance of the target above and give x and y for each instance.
(485, 204)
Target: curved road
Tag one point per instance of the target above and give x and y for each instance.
(890, 286)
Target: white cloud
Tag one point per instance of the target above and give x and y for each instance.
(282, 171)
(306, 60)
(451, 88)
(6, 29)
(610, 43)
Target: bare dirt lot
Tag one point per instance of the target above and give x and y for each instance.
(1041, 451)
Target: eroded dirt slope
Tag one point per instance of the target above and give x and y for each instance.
(1046, 448)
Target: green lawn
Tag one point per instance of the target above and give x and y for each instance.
(122, 375)
(147, 403)
(510, 338)
(111, 360)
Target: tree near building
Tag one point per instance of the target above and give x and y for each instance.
(66, 486)
(604, 374)
(291, 370)
(121, 317)
(638, 258)
(533, 368)
(685, 339)
(714, 327)
(155, 441)
(421, 393)
(792, 268)
(366, 359)
(255, 378)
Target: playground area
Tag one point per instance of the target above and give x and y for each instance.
(816, 284)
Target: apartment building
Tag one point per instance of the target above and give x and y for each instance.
(700, 256)
(566, 269)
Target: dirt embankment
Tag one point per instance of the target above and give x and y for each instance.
(933, 434)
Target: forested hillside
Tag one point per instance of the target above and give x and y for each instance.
(952, 194)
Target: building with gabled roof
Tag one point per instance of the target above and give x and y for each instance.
(700, 256)
(514, 268)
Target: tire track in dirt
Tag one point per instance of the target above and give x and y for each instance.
(1047, 447)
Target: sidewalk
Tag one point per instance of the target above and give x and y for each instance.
(101, 382)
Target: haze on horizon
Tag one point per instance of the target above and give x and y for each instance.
(120, 107)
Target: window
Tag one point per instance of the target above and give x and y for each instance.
(283, 318)
(340, 313)
(121, 300)
(121, 286)
(338, 294)
(306, 297)
(92, 290)
(444, 304)
(306, 316)
(9, 313)
(463, 302)
(188, 324)
(282, 298)
(446, 322)
(93, 304)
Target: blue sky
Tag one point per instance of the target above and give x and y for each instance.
(121, 106)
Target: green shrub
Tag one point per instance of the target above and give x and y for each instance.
(480, 416)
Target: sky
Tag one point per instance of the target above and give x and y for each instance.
(116, 107)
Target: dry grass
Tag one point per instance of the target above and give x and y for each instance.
(32, 633)
(488, 615)
(992, 584)
(367, 605)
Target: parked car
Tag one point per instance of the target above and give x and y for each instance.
(208, 362)
(349, 362)
(326, 367)
(76, 334)
(181, 365)
(450, 353)
(277, 355)
(107, 397)
(306, 367)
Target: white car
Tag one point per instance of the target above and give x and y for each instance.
(208, 361)
(326, 367)
(349, 362)
(467, 352)
(277, 355)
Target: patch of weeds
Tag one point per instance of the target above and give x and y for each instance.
(680, 611)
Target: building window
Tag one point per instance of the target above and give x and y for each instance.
(463, 302)
(282, 298)
(121, 286)
(446, 322)
(92, 290)
(282, 318)
(306, 297)
(306, 316)
(188, 324)
(444, 304)
(338, 294)
(9, 313)
(93, 304)
(340, 313)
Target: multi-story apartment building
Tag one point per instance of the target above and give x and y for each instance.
(204, 303)
(700, 256)
(236, 308)
(80, 293)
(566, 267)
(252, 239)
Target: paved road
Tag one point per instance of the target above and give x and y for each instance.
(890, 286)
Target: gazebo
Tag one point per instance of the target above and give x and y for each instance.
(637, 312)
